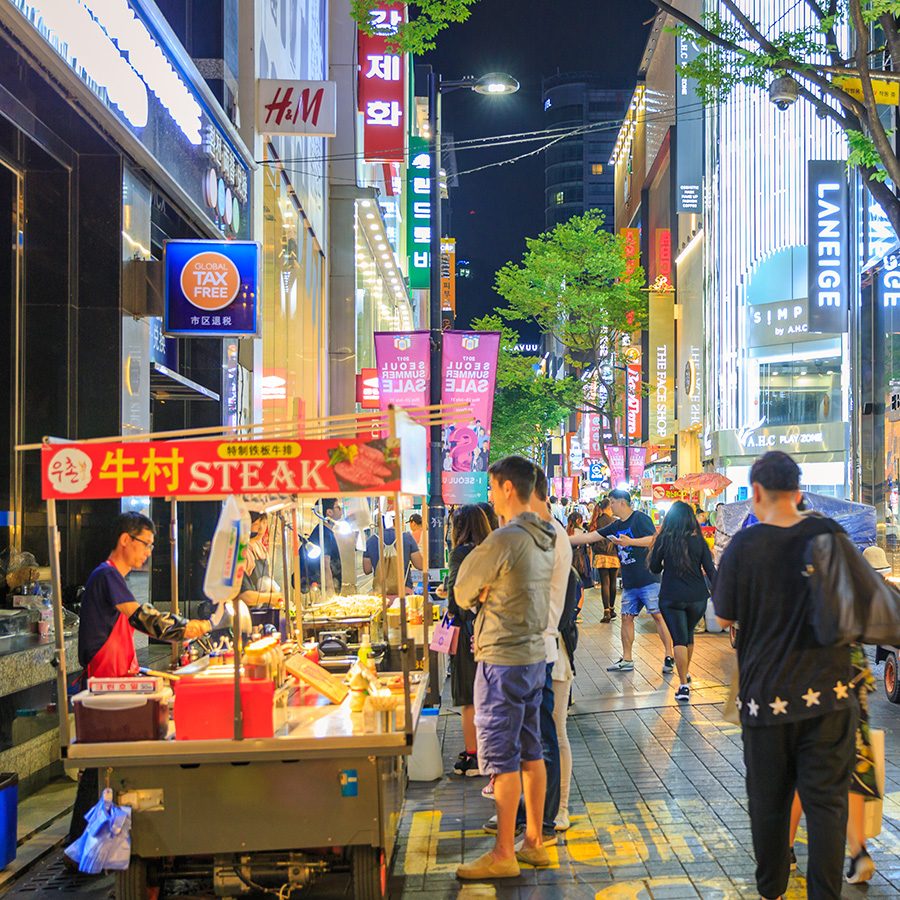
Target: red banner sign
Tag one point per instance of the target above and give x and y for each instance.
(367, 389)
(632, 238)
(381, 87)
(215, 468)
(670, 492)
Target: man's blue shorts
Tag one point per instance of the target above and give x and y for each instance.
(508, 715)
(635, 598)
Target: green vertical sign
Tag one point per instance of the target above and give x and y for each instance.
(418, 213)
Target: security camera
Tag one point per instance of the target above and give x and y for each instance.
(784, 91)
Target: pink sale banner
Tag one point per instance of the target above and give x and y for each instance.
(470, 376)
(402, 360)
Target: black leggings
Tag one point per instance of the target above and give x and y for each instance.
(606, 578)
(681, 621)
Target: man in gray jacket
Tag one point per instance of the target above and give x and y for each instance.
(508, 578)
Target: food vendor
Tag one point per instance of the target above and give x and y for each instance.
(258, 587)
(323, 537)
(110, 614)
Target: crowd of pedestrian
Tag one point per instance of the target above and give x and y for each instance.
(515, 587)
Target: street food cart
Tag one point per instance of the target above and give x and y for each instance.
(323, 788)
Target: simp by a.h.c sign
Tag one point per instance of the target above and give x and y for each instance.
(212, 288)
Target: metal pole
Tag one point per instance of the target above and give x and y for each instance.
(62, 694)
(286, 576)
(173, 571)
(296, 593)
(436, 499)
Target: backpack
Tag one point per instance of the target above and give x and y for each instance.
(384, 581)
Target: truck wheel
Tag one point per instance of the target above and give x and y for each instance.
(369, 873)
(132, 883)
(892, 678)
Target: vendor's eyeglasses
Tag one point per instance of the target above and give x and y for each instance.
(147, 544)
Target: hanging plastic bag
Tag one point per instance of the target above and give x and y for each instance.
(105, 843)
(227, 553)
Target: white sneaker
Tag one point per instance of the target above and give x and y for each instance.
(562, 822)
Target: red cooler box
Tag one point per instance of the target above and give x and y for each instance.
(122, 716)
(204, 708)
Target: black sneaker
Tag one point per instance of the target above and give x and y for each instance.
(459, 767)
(861, 868)
(612, 614)
(793, 860)
(668, 665)
(491, 827)
(683, 694)
(472, 769)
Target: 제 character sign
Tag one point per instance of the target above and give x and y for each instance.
(212, 288)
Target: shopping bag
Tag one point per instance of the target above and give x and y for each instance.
(105, 843)
(445, 637)
(875, 808)
(731, 711)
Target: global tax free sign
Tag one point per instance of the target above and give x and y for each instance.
(212, 288)
(198, 469)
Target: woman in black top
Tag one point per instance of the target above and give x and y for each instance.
(681, 553)
(470, 526)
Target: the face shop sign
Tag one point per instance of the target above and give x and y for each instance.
(778, 323)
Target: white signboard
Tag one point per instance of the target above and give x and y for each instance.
(296, 107)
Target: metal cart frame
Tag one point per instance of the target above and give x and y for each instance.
(249, 809)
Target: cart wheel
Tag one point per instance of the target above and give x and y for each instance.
(132, 883)
(732, 635)
(369, 873)
(892, 678)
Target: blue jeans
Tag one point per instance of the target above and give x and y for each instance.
(550, 743)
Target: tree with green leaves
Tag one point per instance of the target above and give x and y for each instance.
(528, 405)
(425, 20)
(574, 282)
(737, 49)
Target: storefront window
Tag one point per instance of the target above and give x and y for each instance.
(293, 320)
(800, 392)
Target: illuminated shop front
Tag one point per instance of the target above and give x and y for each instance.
(776, 366)
(382, 301)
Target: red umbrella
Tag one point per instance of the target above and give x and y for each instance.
(703, 481)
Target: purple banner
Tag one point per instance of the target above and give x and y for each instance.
(470, 374)
(616, 457)
(402, 359)
(637, 460)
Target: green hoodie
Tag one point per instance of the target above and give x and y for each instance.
(515, 562)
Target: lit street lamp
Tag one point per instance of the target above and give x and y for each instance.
(494, 84)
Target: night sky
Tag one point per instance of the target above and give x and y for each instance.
(492, 212)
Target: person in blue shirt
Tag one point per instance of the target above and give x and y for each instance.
(412, 555)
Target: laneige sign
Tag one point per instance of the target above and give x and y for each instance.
(778, 323)
(829, 247)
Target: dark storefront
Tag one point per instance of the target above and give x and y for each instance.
(96, 173)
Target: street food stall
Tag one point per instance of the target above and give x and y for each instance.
(263, 769)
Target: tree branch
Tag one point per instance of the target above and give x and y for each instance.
(889, 27)
(830, 36)
(876, 129)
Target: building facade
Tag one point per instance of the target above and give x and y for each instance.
(578, 176)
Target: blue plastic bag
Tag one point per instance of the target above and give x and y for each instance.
(105, 843)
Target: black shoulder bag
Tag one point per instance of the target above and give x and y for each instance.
(851, 602)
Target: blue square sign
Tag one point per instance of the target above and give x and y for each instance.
(212, 288)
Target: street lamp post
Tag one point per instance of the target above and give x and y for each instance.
(494, 84)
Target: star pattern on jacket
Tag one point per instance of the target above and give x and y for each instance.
(841, 690)
(753, 708)
(812, 697)
(779, 707)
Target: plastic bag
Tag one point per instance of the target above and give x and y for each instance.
(445, 638)
(105, 843)
(228, 553)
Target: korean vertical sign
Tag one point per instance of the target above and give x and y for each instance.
(470, 374)
(418, 213)
(381, 86)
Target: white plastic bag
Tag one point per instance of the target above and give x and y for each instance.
(227, 553)
(712, 624)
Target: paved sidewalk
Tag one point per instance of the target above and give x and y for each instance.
(658, 803)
